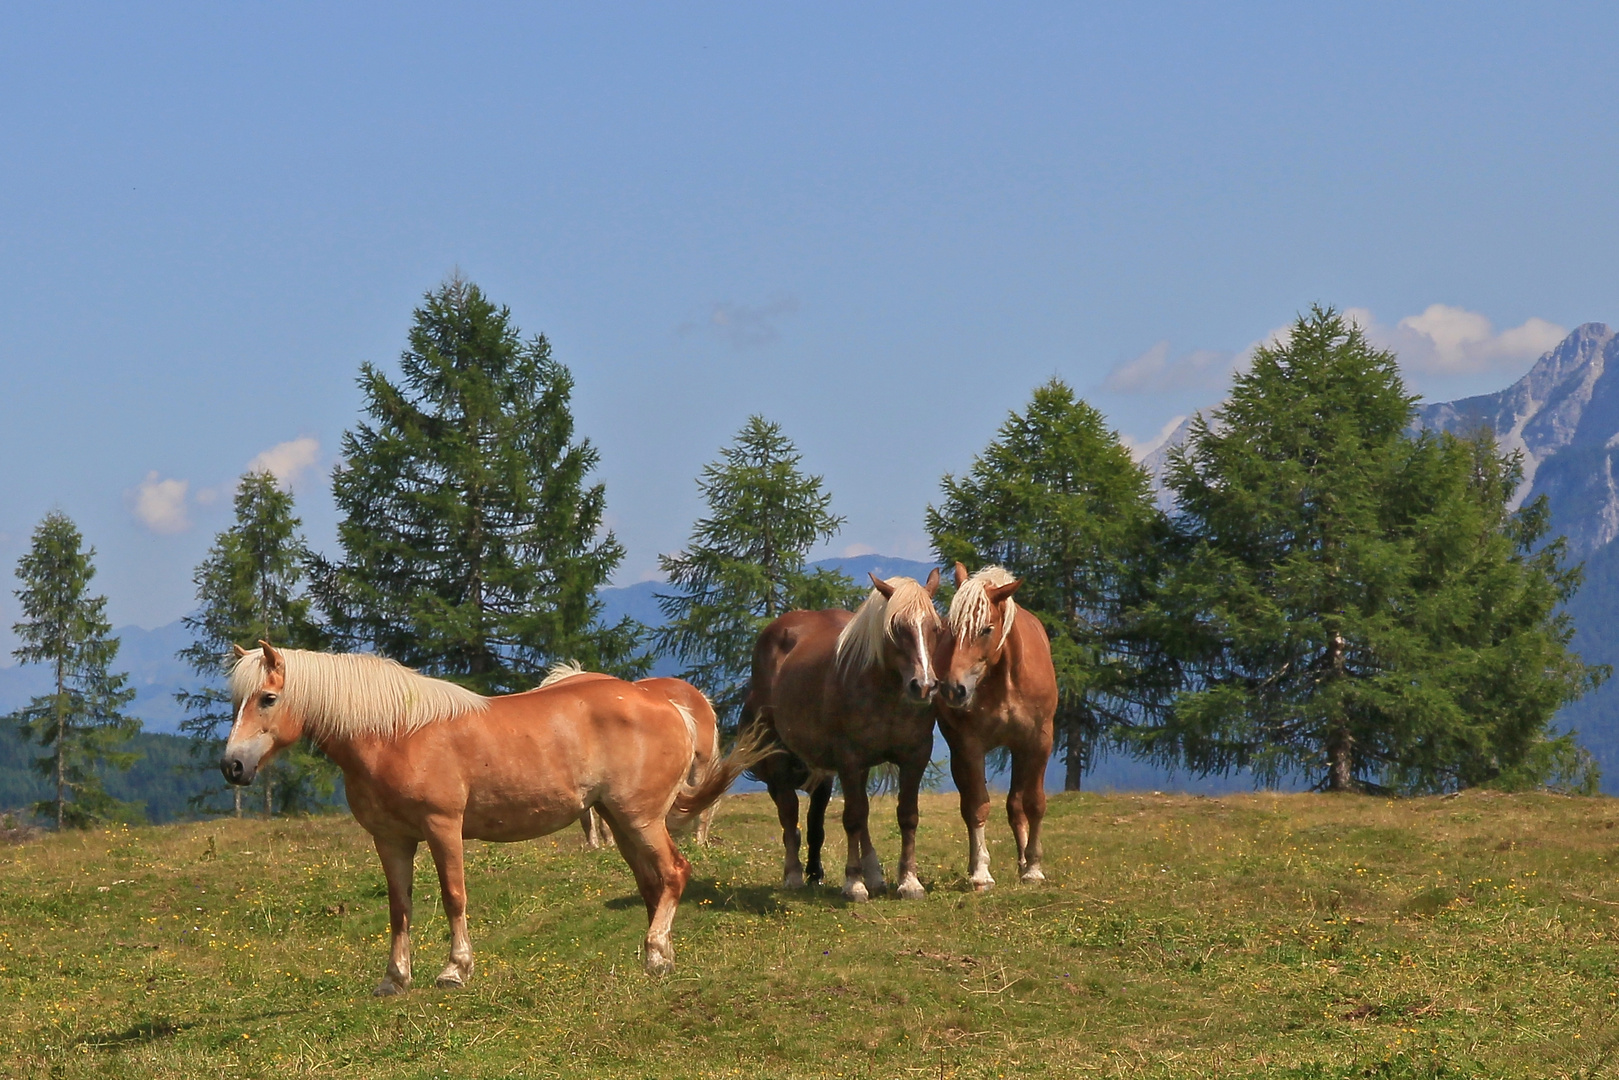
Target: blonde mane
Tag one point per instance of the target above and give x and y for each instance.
(562, 669)
(860, 645)
(970, 609)
(344, 695)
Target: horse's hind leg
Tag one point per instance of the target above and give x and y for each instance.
(661, 873)
(816, 822)
(786, 799)
(444, 839)
(1025, 809)
(399, 867)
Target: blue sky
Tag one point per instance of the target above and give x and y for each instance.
(880, 228)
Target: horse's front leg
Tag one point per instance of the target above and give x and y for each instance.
(1026, 808)
(967, 769)
(862, 870)
(399, 867)
(444, 840)
(910, 784)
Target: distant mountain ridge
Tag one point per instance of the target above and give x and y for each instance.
(1563, 416)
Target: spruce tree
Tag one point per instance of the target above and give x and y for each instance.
(1356, 605)
(249, 589)
(745, 562)
(1058, 500)
(81, 721)
(469, 537)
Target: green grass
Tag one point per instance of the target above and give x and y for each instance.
(1281, 936)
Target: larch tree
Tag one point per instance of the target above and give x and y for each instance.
(81, 723)
(1057, 500)
(250, 588)
(1356, 605)
(472, 546)
(745, 562)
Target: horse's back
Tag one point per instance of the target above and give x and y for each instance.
(807, 638)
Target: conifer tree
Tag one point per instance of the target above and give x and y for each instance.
(472, 546)
(81, 721)
(249, 589)
(1057, 500)
(1356, 605)
(745, 562)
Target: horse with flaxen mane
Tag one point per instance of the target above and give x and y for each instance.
(705, 748)
(845, 692)
(998, 687)
(426, 760)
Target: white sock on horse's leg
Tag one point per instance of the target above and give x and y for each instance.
(978, 858)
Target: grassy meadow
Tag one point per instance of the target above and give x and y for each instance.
(1254, 935)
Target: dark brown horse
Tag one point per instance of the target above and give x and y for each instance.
(845, 693)
(997, 688)
(426, 760)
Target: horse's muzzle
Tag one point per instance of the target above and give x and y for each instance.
(919, 690)
(235, 771)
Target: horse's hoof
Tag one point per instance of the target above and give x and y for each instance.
(450, 980)
(794, 880)
(660, 960)
(1033, 876)
(911, 889)
(855, 890)
(388, 988)
(983, 884)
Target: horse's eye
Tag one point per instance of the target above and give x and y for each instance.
(984, 632)
(267, 701)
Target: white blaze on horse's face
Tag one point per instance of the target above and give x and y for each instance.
(262, 726)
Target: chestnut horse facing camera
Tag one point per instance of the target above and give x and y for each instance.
(426, 760)
(997, 688)
(844, 693)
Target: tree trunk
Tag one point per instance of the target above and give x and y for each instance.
(1340, 761)
(1074, 762)
(61, 747)
(237, 792)
(269, 807)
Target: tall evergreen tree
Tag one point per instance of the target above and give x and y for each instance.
(1057, 500)
(249, 589)
(470, 539)
(81, 722)
(1356, 604)
(744, 564)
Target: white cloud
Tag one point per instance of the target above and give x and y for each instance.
(161, 504)
(1445, 340)
(1154, 371)
(853, 550)
(743, 325)
(288, 461)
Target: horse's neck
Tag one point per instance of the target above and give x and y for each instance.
(356, 756)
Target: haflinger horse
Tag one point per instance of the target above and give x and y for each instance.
(426, 760)
(845, 692)
(705, 749)
(997, 688)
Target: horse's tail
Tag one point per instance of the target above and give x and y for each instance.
(750, 748)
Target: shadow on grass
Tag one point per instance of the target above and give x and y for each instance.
(137, 1034)
(750, 899)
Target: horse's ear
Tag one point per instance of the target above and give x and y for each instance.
(238, 650)
(272, 659)
(932, 585)
(997, 593)
(961, 575)
(880, 585)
